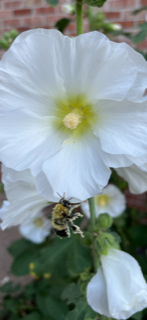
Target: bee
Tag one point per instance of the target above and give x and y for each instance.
(63, 217)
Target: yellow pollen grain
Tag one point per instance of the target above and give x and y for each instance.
(72, 120)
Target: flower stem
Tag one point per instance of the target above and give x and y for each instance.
(79, 17)
(93, 218)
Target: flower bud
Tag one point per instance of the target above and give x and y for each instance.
(14, 33)
(105, 220)
(4, 44)
(106, 241)
(6, 35)
(68, 8)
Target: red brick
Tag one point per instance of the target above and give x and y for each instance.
(144, 2)
(112, 15)
(32, 21)
(142, 45)
(12, 23)
(122, 3)
(46, 10)
(5, 14)
(126, 24)
(22, 29)
(71, 26)
(51, 20)
(22, 12)
(12, 5)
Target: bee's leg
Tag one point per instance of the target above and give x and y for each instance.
(74, 207)
(73, 216)
(76, 229)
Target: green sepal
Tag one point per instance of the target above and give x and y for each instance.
(104, 220)
(105, 241)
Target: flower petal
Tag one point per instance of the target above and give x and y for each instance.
(97, 293)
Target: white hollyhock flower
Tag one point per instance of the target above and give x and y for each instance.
(116, 26)
(37, 229)
(135, 176)
(67, 109)
(24, 202)
(111, 201)
(118, 290)
(68, 8)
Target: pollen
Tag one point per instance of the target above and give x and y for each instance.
(38, 222)
(72, 120)
(103, 200)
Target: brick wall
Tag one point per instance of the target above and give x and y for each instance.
(28, 14)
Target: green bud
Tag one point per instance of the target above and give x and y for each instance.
(6, 36)
(106, 241)
(4, 44)
(14, 33)
(100, 16)
(105, 220)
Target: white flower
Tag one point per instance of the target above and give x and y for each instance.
(37, 229)
(68, 8)
(116, 26)
(136, 176)
(111, 201)
(118, 290)
(67, 109)
(24, 203)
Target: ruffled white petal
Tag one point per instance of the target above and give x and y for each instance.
(77, 169)
(136, 177)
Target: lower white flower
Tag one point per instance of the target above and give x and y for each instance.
(37, 229)
(118, 289)
(136, 176)
(111, 201)
(24, 202)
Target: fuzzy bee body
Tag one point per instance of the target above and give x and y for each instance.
(62, 218)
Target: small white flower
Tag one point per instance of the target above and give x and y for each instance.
(37, 229)
(67, 109)
(116, 26)
(68, 8)
(118, 290)
(111, 201)
(24, 203)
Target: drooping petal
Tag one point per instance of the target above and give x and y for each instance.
(129, 293)
(97, 293)
(135, 176)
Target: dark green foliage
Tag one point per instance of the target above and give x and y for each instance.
(141, 36)
(62, 24)
(52, 3)
(139, 10)
(95, 3)
(1, 188)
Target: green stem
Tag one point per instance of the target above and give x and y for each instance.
(79, 17)
(93, 220)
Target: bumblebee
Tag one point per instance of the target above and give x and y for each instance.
(62, 218)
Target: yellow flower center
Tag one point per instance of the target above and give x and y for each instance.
(72, 120)
(74, 114)
(102, 200)
(38, 222)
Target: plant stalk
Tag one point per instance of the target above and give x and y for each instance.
(93, 220)
(79, 17)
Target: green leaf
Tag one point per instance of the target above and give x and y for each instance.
(95, 3)
(20, 266)
(139, 10)
(138, 235)
(71, 293)
(138, 315)
(13, 317)
(81, 310)
(62, 24)
(9, 287)
(141, 36)
(4, 44)
(52, 3)
(33, 316)
(49, 307)
(29, 290)
(18, 247)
